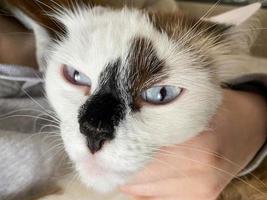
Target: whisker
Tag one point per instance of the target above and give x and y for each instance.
(29, 116)
(201, 20)
(171, 154)
(220, 157)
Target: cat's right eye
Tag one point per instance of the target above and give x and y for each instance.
(75, 77)
(160, 95)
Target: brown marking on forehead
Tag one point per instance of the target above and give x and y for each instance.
(146, 68)
(177, 24)
(203, 39)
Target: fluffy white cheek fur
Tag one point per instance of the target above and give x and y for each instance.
(137, 137)
(176, 123)
(107, 169)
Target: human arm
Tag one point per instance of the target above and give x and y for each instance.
(192, 171)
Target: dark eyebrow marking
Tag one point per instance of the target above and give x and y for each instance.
(177, 24)
(146, 68)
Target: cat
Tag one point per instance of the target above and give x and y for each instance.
(125, 82)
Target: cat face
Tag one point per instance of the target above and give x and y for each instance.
(125, 83)
(123, 88)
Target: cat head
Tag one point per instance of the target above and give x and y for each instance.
(125, 83)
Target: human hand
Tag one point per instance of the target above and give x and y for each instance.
(202, 167)
(17, 45)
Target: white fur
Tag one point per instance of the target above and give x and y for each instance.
(95, 38)
(99, 36)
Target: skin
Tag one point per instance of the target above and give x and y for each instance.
(16, 43)
(192, 171)
(196, 170)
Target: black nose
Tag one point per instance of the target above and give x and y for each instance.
(96, 136)
(99, 116)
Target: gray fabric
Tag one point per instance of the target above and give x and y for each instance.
(16, 80)
(20, 73)
(9, 88)
(24, 115)
(28, 136)
(258, 159)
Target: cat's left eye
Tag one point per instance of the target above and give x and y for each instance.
(161, 94)
(76, 77)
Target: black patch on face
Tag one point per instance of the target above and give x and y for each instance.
(106, 108)
(103, 111)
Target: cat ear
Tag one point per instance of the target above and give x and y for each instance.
(237, 16)
(243, 31)
(243, 23)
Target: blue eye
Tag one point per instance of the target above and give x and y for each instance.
(161, 94)
(75, 77)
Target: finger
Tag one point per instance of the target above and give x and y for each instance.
(169, 163)
(157, 198)
(199, 187)
(170, 198)
(176, 162)
(151, 173)
(159, 188)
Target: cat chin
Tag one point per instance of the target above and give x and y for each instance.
(102, 182)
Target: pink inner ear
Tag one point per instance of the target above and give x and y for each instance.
(236, 16)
